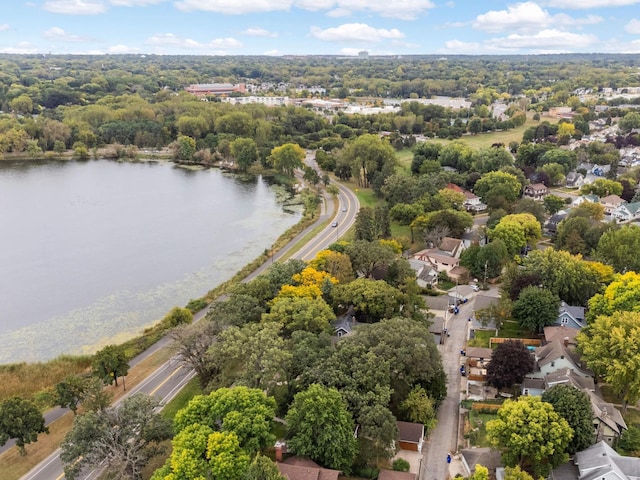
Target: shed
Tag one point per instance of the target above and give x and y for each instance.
(410, 436)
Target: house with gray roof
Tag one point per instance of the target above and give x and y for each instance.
(557, 356)
(607, 419)
(343, 325)
(597, 462)
(571, 316)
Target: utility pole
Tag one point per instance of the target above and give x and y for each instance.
(485, 273)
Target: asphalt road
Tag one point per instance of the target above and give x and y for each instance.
(169, 378)
(443, 439)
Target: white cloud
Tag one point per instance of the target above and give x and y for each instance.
(403, 9)
(134, 3)
(633, 27)
(174, 41)
(527, 16)
(547, 40)
(259, 32)
(355, 32)
(338, 12)
(21, 48)
(233, 7)
(4, 27)
(120, 49)
(56, 33)
(457, 46)
(273, 53)
(75, 7)
(585, 4)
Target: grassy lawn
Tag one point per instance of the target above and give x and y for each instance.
(478, 428)
(404, 157)
(180, 401)
(487, 139)
(367, 197)
(510, 329)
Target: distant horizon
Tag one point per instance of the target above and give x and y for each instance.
(320, 27)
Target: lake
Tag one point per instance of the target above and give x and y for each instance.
(93, 252)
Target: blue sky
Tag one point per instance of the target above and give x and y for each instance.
(339, 27)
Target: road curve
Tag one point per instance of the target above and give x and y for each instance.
(168, 379)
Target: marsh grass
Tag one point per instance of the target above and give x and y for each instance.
(29, 380)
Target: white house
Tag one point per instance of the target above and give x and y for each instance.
(599, 461)
(536, 191)
(557, 356)
(627, 212)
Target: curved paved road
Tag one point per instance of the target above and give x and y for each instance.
(169, 378)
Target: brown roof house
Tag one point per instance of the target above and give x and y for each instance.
(410, 436)
(536, 191)
(393, 475)
(296, 468)
(611, 203)
(445, 257)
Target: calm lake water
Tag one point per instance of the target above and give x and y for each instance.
(93, 252)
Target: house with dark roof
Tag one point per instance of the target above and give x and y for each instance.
(535, 387)
(598, 462)
(571, 316)
(410, 436)
(487, 457)
(436, 329)
(343, 325)
(574, 180)
(607, 419)
(551, 225)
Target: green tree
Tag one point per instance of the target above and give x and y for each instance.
(419, 408)
(320, 427)
(192, 342)
(480, 473)
(367, 155)
(602, 187)
(110, 363)
(177, 316)
(611, 348)
(575, 407)
(530, 434)
(263, 468)
(510, 362)
(629, 443)
(121, 438)
(498, 186)
(377, 435)
(516, 231)
(199, 452)
(454, 221)
(21, 420)
(621, 295)
(70, 392)
(553, 203)
(245, 151)
(372, 300)
(300, 313)
(247, 412)
(254, 355)
(185, 148)
(536, 308)
(286, 158)
(515, 473)
(22, 105)
(619, 248)
(366, 256)
(456, 154)
(491, 159)
(568, 276)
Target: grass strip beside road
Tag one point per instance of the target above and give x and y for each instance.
(13, 466)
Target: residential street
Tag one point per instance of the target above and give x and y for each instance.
(442, 440)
